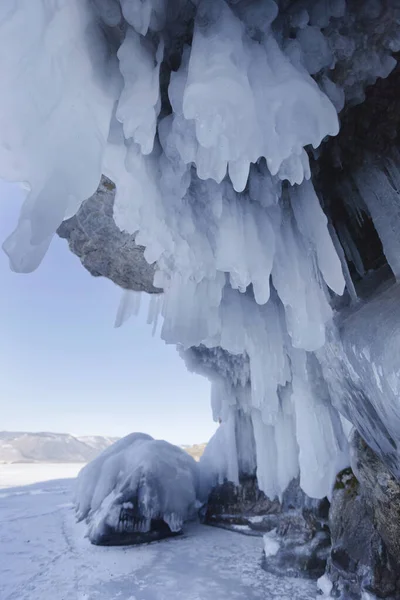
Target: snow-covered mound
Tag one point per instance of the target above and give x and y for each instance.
(137, 490)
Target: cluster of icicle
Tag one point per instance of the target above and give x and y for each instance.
(211, 176)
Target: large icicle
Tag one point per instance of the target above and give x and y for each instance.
(381, 194)
(299, 286)
(139, 104)
(313, 225)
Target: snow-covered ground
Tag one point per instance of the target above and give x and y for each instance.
(28, 473)
(44, 556)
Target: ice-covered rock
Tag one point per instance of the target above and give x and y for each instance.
(138, 490)
(295, 530)
(271, 544)
(105, 250)
(243, 504)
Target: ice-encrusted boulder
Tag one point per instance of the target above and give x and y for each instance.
(138, 490)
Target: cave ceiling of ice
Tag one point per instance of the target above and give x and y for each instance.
(252, 147)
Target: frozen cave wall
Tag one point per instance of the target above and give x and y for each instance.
(268, 233)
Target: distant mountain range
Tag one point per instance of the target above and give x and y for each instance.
(24, 447)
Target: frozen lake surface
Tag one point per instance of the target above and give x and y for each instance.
(15, 474)
(45, 556)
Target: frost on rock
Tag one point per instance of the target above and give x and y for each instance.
(209, 116)
(138, 490)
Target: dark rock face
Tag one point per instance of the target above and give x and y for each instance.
(229, 504)
(110, 536)
(365, 528)
(382, 493)
(304, 545)
(298, 524)
(103, 249)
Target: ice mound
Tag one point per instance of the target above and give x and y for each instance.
(138, 490)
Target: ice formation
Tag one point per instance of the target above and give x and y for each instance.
(135, 483)
(204, 114)
(271, 545)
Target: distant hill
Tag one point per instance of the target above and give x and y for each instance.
(196, 450)
(23, 447)
(47, 447)
(97, 442)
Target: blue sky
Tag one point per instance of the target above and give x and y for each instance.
(63, 366)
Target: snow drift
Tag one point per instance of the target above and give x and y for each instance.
(205, 115)
(138, 490)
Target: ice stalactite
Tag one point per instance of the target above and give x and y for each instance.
(141, 89)
(379, 188)
(204, 114)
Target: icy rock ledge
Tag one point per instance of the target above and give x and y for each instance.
(295, 528)
(138, 490)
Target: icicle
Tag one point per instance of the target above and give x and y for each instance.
(155, 306)
(383, 204)
(339, 250)
(319, 433)
(139, 104)
(145, 15)
(312, 224)
(350, 249)
(295, 278)
(266, 453)
(129, 305)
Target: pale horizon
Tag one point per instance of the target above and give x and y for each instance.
(81, 435)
